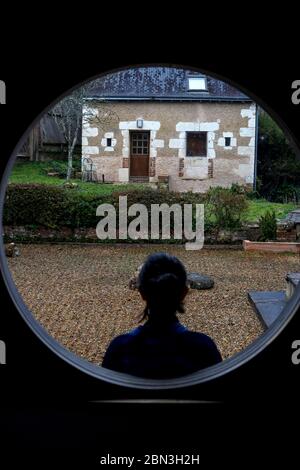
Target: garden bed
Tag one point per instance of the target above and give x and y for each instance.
(272, 246)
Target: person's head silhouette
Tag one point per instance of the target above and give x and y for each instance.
(162, 283)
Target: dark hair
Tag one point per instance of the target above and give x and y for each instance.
(162, 281)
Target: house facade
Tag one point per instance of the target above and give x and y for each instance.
(169, 124)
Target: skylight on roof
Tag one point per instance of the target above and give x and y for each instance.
(197, 84)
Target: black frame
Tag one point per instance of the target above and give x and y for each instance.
(126, 380)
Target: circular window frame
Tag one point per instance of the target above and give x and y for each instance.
(126, 380)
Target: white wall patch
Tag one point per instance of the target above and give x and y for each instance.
(247, 132)
(246, 151)
(132, 125)
(209, 126)
(90, 131)
(90, 150)
(176, 143)
(158, 143)
(123, 175)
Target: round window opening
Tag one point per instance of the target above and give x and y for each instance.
(144, 217)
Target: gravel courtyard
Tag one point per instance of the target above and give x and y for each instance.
(80, 294)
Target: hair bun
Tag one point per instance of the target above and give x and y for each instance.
(164, 281)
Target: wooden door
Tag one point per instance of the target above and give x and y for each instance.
(139, 153)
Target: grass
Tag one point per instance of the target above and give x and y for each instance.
(258, 207)
(34, 172)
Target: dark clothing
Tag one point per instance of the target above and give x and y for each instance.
(161, 351)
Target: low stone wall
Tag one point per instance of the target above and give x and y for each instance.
(67, 234)
(36, 234)
(287, 233)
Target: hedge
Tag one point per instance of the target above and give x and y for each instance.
(53, 207)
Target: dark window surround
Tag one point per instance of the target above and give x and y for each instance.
(194, 148)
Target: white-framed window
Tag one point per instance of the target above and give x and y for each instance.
(197, 84)
(227, 141)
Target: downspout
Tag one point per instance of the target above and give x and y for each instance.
(256, 147)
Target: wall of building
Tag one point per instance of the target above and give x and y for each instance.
(168, 124)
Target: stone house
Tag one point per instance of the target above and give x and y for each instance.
(170, 124)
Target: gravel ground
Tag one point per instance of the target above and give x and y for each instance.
(80, 294)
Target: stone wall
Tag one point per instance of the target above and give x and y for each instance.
(288, 233)
(88, 234)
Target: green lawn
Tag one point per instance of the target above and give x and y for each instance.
(259, 206)
(34, 172)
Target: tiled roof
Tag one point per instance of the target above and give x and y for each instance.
(161, 83)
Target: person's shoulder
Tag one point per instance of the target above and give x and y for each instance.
(199, 337)
(202, 348)
(200, 340)
(126, 338)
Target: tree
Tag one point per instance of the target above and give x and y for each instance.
(278, 166)
(67, 114)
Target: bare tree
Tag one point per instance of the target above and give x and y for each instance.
(68, 114)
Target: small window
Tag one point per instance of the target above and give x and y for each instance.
(227, 141)
(108, 142)
(197, 84)
(196, 144)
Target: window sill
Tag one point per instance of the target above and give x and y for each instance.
(195, 178)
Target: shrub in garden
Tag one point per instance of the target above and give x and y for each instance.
(149, 197)
(48, 206)
(60, 167)
(268, 226)
(52, 206)
(236, 188)
(34, 204)
(225, 207)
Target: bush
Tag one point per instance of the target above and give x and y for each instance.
(286, 193)
(151, 196)
(60, 167)
(268, 226)
(238, 189)
(49, 206)
(32, 204)
(226, 207)
(54, 206)
(243, 189)
(148, 197)
(252, 195)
